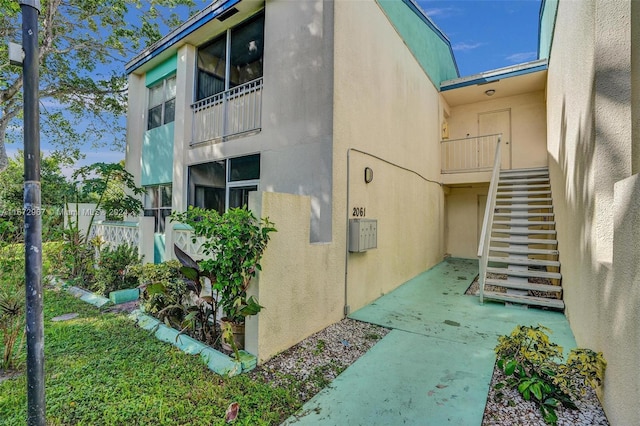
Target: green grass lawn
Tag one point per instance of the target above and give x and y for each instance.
(102, 370)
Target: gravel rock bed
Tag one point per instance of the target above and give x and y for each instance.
(513, 410)
(314, 362)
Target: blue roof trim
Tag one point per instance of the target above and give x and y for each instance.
(422, 15)
(166, 44)
(494, 77)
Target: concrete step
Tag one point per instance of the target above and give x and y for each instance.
(523, 286)
(522, 215)
(530, 273)
(524, 222)
(521, 200)
(523, 250)
(524, 206)
(505, 182)
(524, 261)
(525, 300)
(524, 231)
(521, 193)
(523, 173)
(523, 240)
(524, 187)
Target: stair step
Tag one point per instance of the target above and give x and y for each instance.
(524, 172)
(521, 240)
(521, 193)
(524, 206)
(523, 250)
(522, 200)
(524, 261)
(522, 214)
(531, 273)
(525, 300)
(503, 182)
(523, 286)
(524, 187)
(524, 231)
(524, 222)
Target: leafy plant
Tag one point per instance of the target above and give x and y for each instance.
(12, 303)
(234, 243)
(114, 269)
(162, 290)
(533, 365)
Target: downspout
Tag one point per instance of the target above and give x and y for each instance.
(347, 308)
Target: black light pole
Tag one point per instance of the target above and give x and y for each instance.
(32, 219)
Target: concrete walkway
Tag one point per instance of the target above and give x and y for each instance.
(435, 366)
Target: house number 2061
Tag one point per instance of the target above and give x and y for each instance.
(359, 212)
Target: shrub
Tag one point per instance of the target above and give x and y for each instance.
(162, 290)
(114, 269)
(12, 303)
(533, 365)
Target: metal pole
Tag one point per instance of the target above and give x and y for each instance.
(32, 219)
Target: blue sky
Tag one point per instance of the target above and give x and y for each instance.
(487, 34)
(484, 35)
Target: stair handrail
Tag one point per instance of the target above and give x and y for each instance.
(485, 236)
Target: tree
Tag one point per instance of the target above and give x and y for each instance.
(114, 188)
(79, 40)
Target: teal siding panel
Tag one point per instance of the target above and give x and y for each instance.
(548, 10)
(158, 248)
(426, 42)
(157, 155)
(163, 70)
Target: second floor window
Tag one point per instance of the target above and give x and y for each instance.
(162, 103)
(241, 48)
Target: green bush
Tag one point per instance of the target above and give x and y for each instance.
(12, 303)
(114, 269)
(162, 290)
(533, 365)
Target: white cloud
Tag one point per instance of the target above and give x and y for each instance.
(464, 47)
(517, 58)
(441, 12)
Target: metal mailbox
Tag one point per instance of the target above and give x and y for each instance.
(363, 235)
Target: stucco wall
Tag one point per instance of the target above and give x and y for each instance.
(590, 151)
(385, 106)
(465, 210)
(528, 125)
(301, 285)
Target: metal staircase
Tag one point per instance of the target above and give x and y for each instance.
(523, 251)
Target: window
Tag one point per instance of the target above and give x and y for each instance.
(246, 47)
(162, 103)
(157, 204)
(224, 184)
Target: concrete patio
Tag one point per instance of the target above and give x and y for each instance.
(435, 366)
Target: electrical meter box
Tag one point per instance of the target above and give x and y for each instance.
(363, 235)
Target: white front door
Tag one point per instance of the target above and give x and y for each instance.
(498, 122)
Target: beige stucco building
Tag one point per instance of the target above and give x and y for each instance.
(316, 113)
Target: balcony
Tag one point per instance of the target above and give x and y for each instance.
(230, 113)
(468, 160)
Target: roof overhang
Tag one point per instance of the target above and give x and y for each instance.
(200, 28)
(510, 81)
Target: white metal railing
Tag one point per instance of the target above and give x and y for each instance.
(472, 154)
(234, 111)
(485, 236)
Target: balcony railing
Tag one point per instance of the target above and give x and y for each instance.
(474, 154)
(232, 112)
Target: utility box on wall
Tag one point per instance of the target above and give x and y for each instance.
(363, 235)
